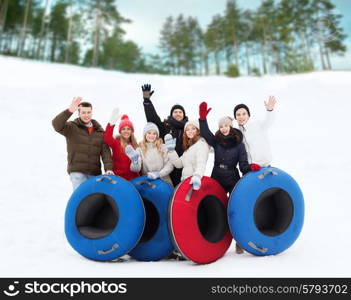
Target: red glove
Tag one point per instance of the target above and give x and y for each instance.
(255, 167)
(203, 111)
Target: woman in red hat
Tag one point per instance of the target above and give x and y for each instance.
(123, 146)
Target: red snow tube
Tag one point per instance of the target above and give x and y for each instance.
(198, 221)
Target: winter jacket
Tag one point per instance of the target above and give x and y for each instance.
(153, 161)
(121, 162)
(169, 125)
(228, 154)
(194, 159)
(84, 150)
(256, 140)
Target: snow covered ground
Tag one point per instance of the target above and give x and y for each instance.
(309, 140)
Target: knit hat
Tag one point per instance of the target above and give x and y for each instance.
(225, 121)
(151, 126)
(125, 122)
(192, 122)
(177, 106)
(241, 106)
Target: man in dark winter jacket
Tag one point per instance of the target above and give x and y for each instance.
(174, 124)
(85, 142)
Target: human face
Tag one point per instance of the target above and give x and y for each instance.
(178, 114)
(224, 129)
(151, 136)
(126, 132)
(85, 114)
(242, 116)
(191, 131)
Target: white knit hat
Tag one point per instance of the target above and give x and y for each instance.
(151, 126)
(192, 122)
(225, 121)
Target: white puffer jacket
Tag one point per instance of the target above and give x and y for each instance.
(255, 138)
(153, 161)
(194, 159)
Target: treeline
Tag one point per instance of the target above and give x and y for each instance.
(286, 36)
(82, 32)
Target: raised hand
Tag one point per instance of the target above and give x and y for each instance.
(170, 142)
(115, 115)
(147, 93)
(132, 154)
(74, 104)
(203, 111)
(270, 103)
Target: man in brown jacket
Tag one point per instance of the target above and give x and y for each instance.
(85, 142)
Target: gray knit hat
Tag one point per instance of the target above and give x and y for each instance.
(192, 122)
(225, 121)
(151, 126)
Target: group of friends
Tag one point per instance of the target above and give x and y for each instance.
(172, 149)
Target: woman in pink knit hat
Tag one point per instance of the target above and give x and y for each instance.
(125, 158)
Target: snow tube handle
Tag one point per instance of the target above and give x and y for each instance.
(262, 250)
(113, 248)
(151, 185)
(189, 193)
(107, 178)
(266, 172)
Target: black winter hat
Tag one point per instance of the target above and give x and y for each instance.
(241, 106)
(177, 106)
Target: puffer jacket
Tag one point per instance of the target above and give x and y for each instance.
(194, 159)
(256, 140)
(153, 161)
(84, 150)
(228, 152)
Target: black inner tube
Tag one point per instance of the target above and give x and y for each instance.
(152, 221)
(273, 211)
(96, 216)
(212, 219)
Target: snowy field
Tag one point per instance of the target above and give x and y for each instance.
(309, 141)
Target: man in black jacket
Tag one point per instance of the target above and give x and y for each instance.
(174, 124)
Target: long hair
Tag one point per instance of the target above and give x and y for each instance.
(158, 142)
(187, 143)
(232, 132)
(132, 141)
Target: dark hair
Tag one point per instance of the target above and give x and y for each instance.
(85, 104)
(235, 133)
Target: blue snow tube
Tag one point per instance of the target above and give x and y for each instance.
(156, 242)
(104, 218)
(266, 211)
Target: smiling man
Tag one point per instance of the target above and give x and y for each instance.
(255, 134)
(85, 143)
(173, 124)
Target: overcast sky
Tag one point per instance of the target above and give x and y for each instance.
(148, 17)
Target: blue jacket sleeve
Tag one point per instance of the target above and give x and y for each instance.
(243, 163)
(206, 133)
(152, 116)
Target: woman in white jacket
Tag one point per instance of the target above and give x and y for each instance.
(255, 136)
(152, 157)
(194, 159)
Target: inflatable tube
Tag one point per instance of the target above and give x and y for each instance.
(104, 218)
(198, 221)
(156, 242)
(266, 211)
